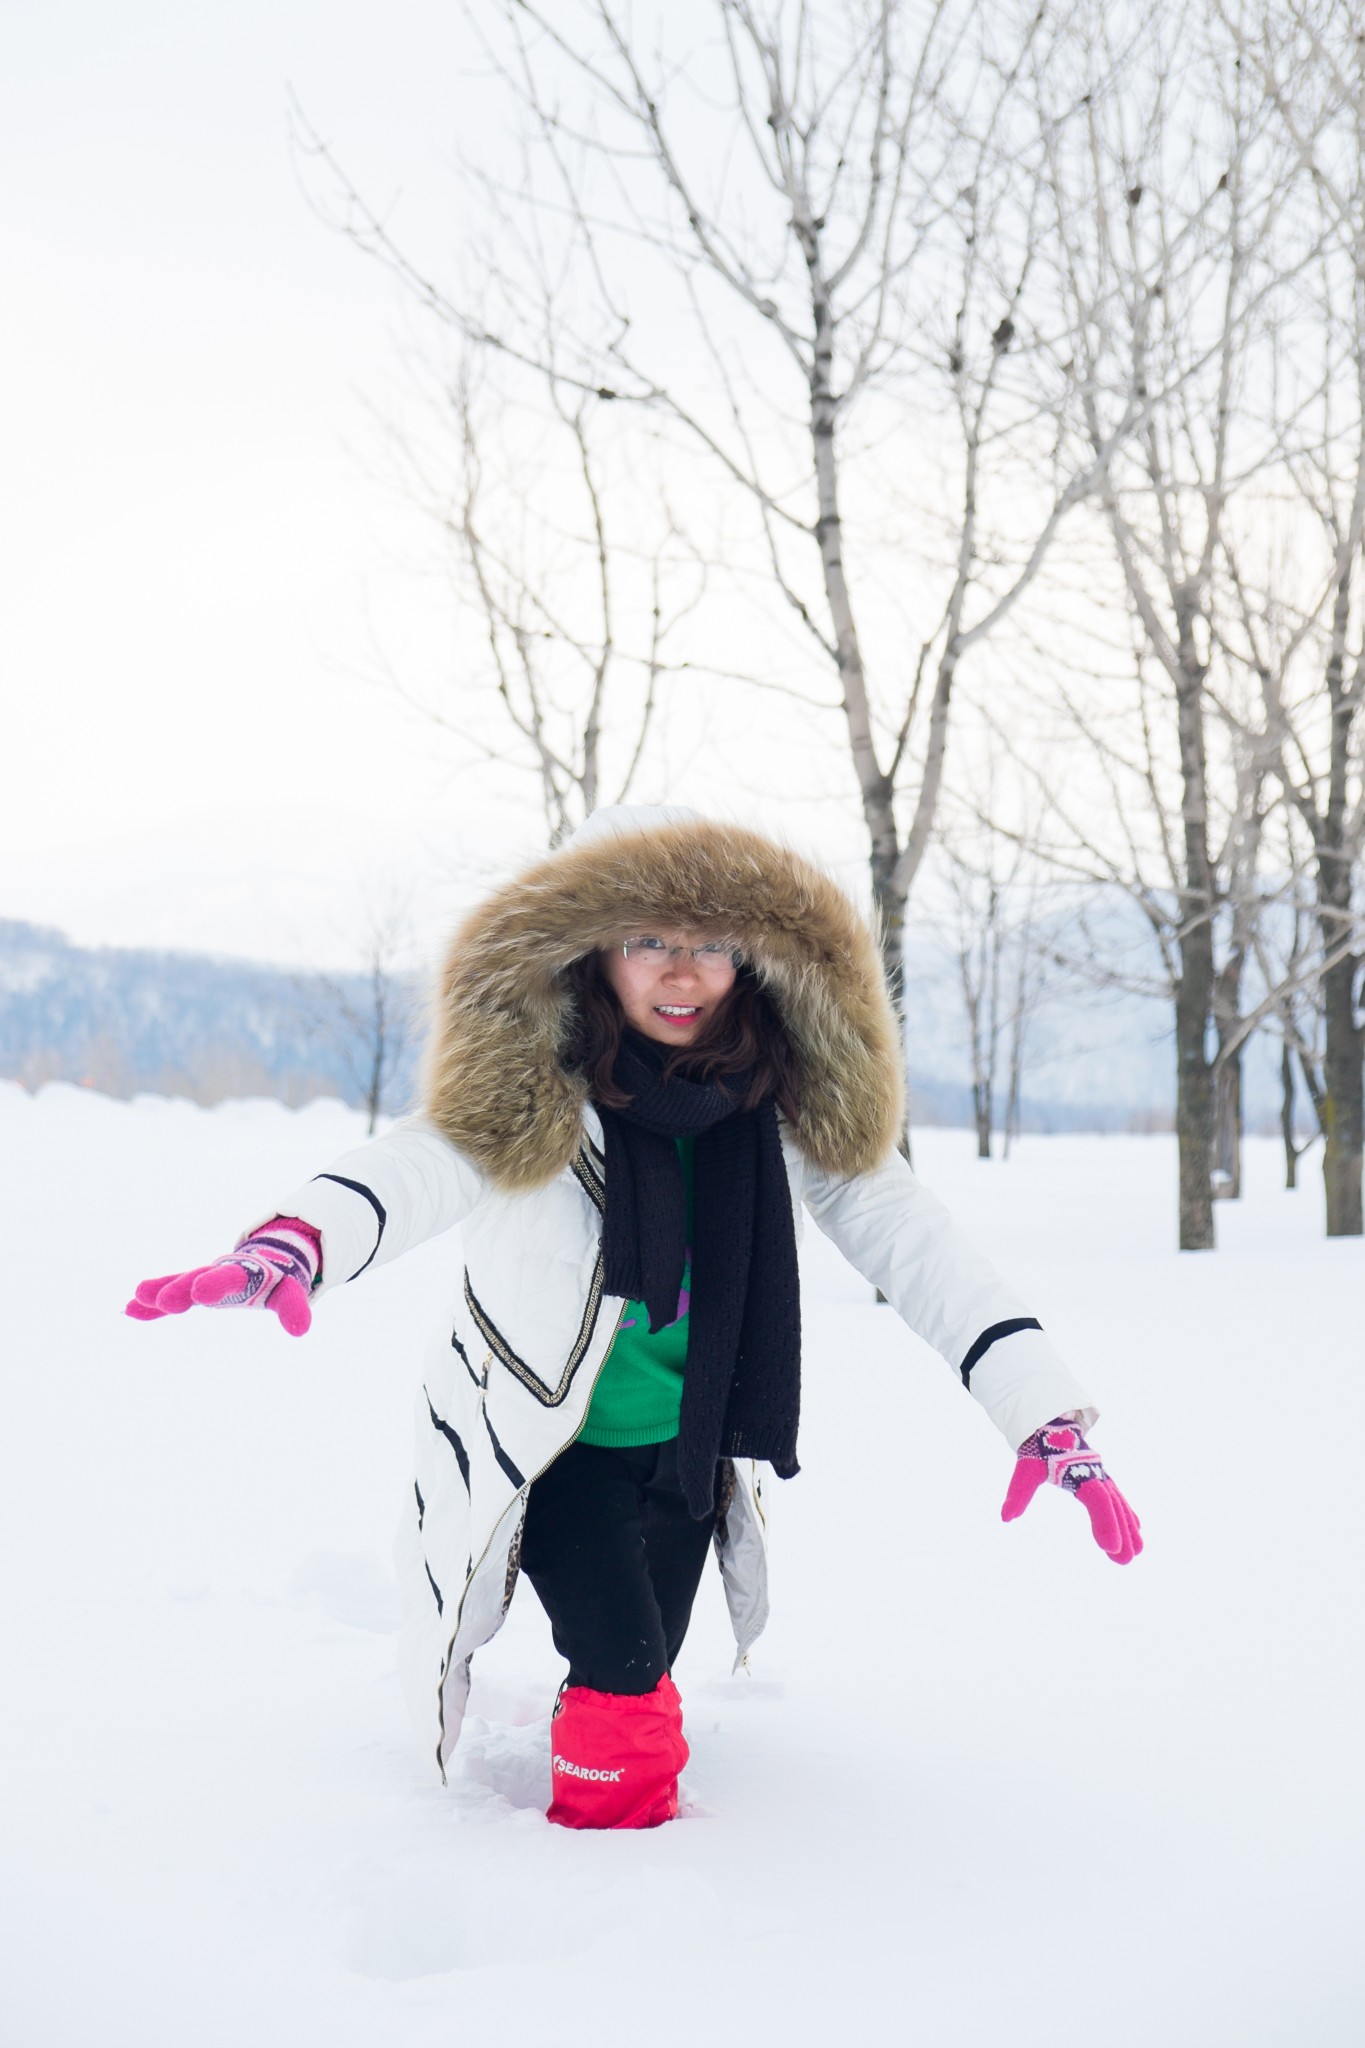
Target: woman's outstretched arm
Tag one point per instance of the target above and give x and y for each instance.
(380, 1200)
(902, 1239)
(369, 1206)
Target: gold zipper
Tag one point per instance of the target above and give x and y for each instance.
(534, 1384)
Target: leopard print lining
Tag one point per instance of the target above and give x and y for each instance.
(513, 1563)
(726, 1482)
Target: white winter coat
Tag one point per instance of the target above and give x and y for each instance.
(509, 1148)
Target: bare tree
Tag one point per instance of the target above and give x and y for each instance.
(1303, 606)
(1035, 959)
(811, 236)
(1287, 956)
(1172, 227)
(1002, 949)
(979, 944)
(532, 638)
(370, 1018)
(571, 578)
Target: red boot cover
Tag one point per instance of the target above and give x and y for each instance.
(616, 1757)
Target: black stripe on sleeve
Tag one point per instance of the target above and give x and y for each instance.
(461, 1454)
(421, 1504)
(988, 1337)
(358, 1187)
(500, 1454)
(440, 1603)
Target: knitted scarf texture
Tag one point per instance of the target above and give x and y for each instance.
(742, 1384)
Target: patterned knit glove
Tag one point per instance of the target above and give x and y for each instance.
(276, 1267)
(1060, 1456)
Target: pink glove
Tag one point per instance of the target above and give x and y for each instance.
(1059, 1454)
(275, 1267)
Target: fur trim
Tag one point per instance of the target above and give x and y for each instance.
(494, 1083)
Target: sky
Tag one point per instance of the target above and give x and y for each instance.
(193, 541)
(209, 572)
(219, 603)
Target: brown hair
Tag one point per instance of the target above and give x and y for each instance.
(746, 1035)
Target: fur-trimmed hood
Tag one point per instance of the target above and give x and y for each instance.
(494, 1082)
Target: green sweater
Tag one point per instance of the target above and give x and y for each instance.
(638, 1396)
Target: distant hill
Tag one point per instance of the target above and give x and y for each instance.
(128, 1022)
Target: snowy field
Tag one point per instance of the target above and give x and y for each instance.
(982, 1786)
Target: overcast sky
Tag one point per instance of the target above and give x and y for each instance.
(206, 565)
(189, 545)
(201, 557)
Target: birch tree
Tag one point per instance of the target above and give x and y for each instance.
(1287, 960)
(1000, 937)
(803, 253)
(1172, 221)
(1303, 595)
(570, 575)
(370, 1018)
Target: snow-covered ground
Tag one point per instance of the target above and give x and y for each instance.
(982, 1786)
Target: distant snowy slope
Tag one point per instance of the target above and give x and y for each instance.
(174, 1023)
(207, 1027)
(198, 1025)
(981, 1787)
(1097, 1058)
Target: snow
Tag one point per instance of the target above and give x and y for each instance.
(982, 1786)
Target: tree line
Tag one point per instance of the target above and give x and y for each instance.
(981, 390)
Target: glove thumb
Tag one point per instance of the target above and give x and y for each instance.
(1029, 1474)
(290, 1303)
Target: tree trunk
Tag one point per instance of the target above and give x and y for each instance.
(374, 1094)
(1194, 996)
(980, 998)
(888, 904)
(1228, 1109)
(981, 1109)
(1343, 1108)
(1343, 1065)
(1291, 1150)
(1228, 1125)
(1012, 1099)
(1194, 1109)
(889, 893)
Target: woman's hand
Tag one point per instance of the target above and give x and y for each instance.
(1060, 1456)
(275, 1267)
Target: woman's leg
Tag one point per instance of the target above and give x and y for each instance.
(676, 1548)
(615, 1566)
(583, 1549)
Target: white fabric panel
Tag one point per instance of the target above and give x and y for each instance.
(902, 1239)
(744, 1560)
(1021, 1383)
(419, 1179)
(481, 1615)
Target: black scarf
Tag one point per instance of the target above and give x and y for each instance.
(742, 1387)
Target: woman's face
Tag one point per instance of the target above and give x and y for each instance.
(667, 991)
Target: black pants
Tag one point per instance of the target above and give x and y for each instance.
(615, 1559)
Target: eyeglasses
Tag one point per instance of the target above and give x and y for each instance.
(715, 957)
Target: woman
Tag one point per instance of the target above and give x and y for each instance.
(649, 1051)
